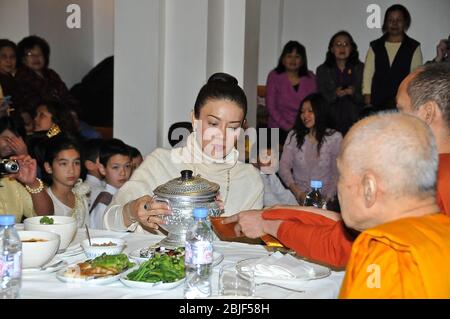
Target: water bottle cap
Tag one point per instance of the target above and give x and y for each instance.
(7, 220)
(200, 212)
(316, 184)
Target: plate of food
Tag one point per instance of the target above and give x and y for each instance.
(162, 271)
(101, 270)
(143, 254)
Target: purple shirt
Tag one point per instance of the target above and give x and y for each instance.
(302, 166)
(283, 101)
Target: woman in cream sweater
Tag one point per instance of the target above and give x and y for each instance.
(218, 115)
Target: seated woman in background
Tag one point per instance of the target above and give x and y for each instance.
(287, 85)
(339, 79)
(7, 72)
(218, 115)
(390, 59)
(311, 150)
(21, 194)
(52, 118)
(35, 80)
(62, 166)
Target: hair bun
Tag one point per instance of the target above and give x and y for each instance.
(222, 78)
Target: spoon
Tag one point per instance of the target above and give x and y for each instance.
(89, 237)
(282, 287)
(51, 266)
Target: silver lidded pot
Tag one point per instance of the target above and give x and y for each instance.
(183, 194)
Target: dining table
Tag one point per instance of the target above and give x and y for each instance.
(46, 285)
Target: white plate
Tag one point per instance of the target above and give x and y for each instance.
(136, 255)
(90, 281)
(29, 272)
(148, 285)
(319, 272)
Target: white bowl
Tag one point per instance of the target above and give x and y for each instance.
(37, 254)
(64, 226)
(95, 251)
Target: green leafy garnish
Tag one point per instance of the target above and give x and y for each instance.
(160, 268)
(46, 220)
(118, 262)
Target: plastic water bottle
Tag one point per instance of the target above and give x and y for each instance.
(10, 258)
(198, 256)
(314, 197)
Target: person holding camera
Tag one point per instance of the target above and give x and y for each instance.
(21, 192)
(442, 51)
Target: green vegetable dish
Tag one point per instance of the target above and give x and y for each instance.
(118, 262)
(46, 220)
(160, 268)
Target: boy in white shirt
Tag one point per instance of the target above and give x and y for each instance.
(274, 191)
(115, 165)
(94, 179)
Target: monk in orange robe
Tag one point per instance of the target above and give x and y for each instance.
(329, 241)
(404, 239)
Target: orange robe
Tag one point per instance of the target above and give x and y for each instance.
(406, 258)
(443, 185)
(324, 240)
(313, 236)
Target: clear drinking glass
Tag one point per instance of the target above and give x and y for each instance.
(234, 281)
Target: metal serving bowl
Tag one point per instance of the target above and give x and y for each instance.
(183, 194)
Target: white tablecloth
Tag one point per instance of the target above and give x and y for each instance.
(48, 286)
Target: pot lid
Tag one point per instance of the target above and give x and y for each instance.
(188, 185)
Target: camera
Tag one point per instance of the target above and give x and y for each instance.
(8, 166)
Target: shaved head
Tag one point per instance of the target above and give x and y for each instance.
(398, 148)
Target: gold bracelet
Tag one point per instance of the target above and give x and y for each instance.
(36, 190)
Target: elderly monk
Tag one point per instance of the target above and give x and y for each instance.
(425, 94)
(387, 189)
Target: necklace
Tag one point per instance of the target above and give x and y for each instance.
(228, 187)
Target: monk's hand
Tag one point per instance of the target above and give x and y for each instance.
(147, 211)
(248, 223)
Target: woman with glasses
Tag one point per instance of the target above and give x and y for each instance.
(35, 80)
(339, 79)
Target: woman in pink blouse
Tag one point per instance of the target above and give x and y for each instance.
(311, 150)
(287, 86)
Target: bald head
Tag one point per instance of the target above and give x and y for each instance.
(397, 148)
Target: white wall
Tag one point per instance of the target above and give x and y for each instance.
(71, 49)
(137, 72)
(103, 28)
(186, 25)
(271, 25)
(313, 23)
(14, 23)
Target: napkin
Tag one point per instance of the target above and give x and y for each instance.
(281, 266)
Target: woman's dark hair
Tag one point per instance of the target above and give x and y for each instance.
(52, 147)
(221, 86)
(353, 59)
(290, 47)
(5, 43)
(29, 43)
(14, 124)
(320, 108)
(61, 116)
(403, 10)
